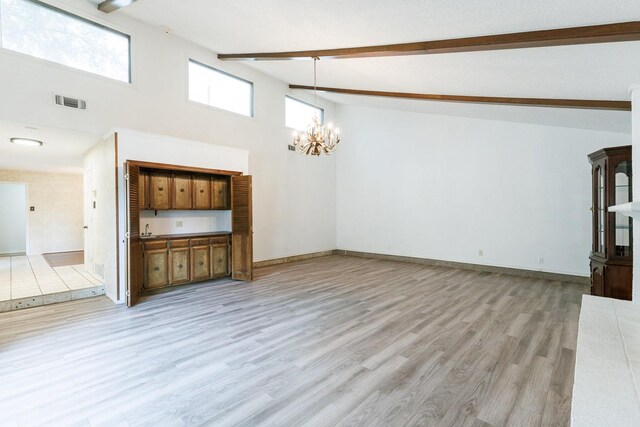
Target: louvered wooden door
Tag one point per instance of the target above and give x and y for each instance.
(134, 246)
(241, 228)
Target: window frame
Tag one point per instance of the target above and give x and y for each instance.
(302, 102)
(89, 21)
(233, 76)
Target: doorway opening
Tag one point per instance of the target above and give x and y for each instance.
(13, 211)
(42, 205)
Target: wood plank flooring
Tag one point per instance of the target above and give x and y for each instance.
(329, 341)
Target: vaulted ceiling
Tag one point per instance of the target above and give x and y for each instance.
(602, 71)
(592, 71)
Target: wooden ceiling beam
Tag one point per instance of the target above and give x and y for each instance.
(607, 33)
(109, 6)
(530, 102)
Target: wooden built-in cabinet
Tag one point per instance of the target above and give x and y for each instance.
(157, 261)
(611, 258)
(170, 261)
(160, 190)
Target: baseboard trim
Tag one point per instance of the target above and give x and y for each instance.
(476, 267)
(292, 258)
(14, 254)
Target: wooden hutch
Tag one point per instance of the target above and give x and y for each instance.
(612, 233)
(160, 261)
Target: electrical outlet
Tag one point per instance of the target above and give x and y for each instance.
(541, 260)
(481, 252)
(178, 223)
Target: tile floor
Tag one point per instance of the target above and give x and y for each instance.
(28, 276)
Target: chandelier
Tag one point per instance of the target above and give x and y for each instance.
(316, 138)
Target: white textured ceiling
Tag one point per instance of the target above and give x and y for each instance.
(601, 71)
(61, 152)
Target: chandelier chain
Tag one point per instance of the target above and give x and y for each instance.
(315, 81)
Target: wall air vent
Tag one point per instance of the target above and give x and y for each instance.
(67, 101)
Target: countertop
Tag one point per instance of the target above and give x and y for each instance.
(605, 388)
(185, 235)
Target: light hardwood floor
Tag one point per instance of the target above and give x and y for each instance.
(329, 341)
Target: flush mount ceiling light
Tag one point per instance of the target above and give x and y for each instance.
(27, 141)
(317, 138)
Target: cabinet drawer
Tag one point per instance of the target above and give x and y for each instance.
(155, 244)
(199, 241)
(179, 243)
(219, 239)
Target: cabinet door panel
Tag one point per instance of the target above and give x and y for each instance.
(182, 191)
(219, 260)
(201, 192)
(200, 263)
(220, 194)
(179, 265)
(618, 282)
(160, 190)
(156, 268)
(597, 279)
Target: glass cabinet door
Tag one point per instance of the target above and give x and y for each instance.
(624, 224)
(598, 209)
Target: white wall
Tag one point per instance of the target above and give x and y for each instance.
(442, 187)
(13, 218)
(293, 195)
(101, 251)
(166, 222)
(56, 223)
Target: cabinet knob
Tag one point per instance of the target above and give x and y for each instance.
(201, 263)
(179, 265)
(156, 268)
(160, 189)
(202, 191)
(182, 190)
